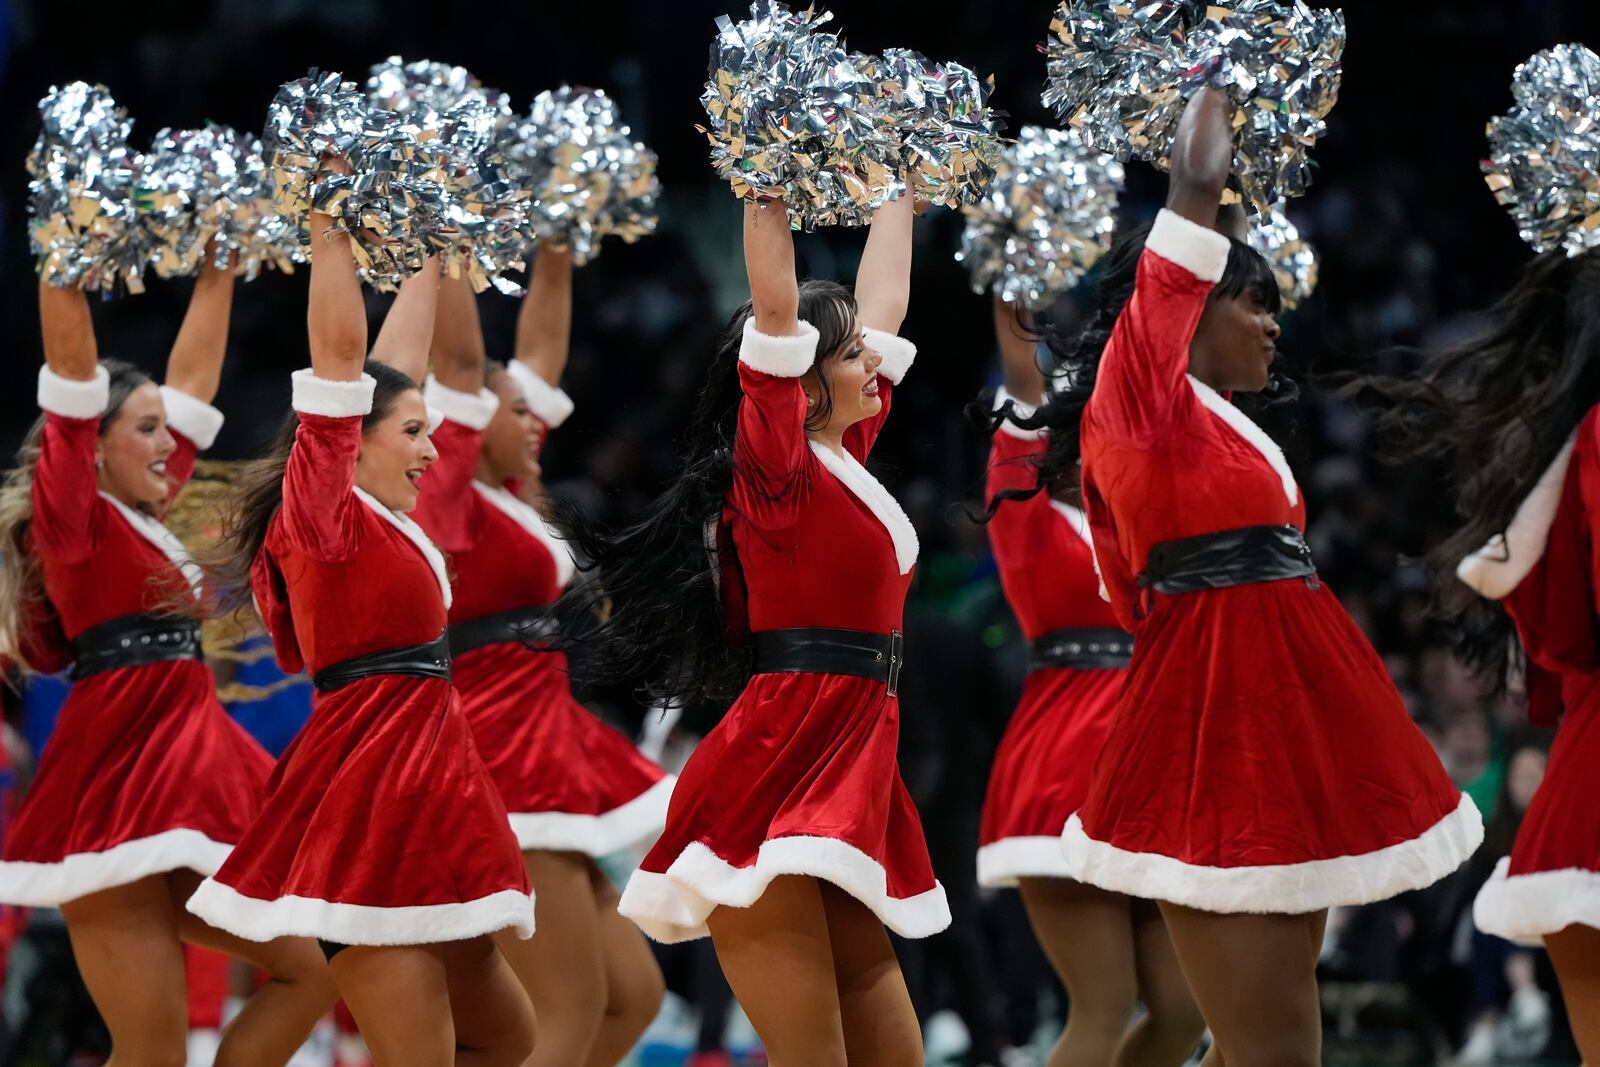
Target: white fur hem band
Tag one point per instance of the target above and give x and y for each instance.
(640, 819)
(1287, 889)
(673, 906)
(360, 924)
(1526, 907)
(1002, 862)
(49, 885)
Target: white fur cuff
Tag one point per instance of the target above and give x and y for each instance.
(1022, 410)
(191, 416)
(548, 403)
(1198, 250)
(74, 399)
(471, 411)
(898, 353)
(781, 357)
(335, 400)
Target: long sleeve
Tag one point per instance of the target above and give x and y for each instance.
(898, 355)
(444, 505)
(1140, 391)
(770, 442)
(65, 487)
(318, 511)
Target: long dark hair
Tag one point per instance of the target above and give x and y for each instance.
(1497, 408)
(258, 493)
(1076, 355)
(671, 596)
(24, 608)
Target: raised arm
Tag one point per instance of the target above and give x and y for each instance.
(883, 281)
(69, 344)
(769, 265)
(407, 331)
(458, 354)
(194, 366)
(336, 319)
(544, 321)
(1202, 156)
(1019, 354)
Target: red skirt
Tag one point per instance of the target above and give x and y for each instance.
(799, 778)
(1551, 880)
(1041, 772)
(1260, 760)
(144, 774)
(569, 781)
(381, 827)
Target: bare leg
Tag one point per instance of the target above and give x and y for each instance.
(1575, 952)
(125, 940)
(779, 961)
(880, 1025)
(276, 1018)
(1172, 1023)
(1255, 979)
(1087, 933)
(493, 1018)
(562, 966)
(400, 999)
(634, 986)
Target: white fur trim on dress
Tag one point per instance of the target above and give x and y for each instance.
(1075, 519)
(1002, 862)
(625, 825)
(191, 416)
(527, 516)
(1499, 566)
(870, 491)
(1022, 410)
(474, 411)
(673, 906)
(1288, 888)
(781, 357)
(255, 919)
(49, 885)
(1254, 435)
(74, 399)
(898, 353)
(155, 531)
(1198, 249)
(1526, 907)
(414, 534)
(548, 403)
(310, 395)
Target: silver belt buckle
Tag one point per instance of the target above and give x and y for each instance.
(897, 659)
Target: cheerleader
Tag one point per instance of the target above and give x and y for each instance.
(147, 784)
(775, 569)
(1260, 766)
(1514, 410)
(382, 834)
(1108, 949)
(576, 788)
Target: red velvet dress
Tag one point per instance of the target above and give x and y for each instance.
(1544, 568)
(1259, 759)
(800, 776)
(145, 772)
(381, 824)
(1041, 769)
(570, 781)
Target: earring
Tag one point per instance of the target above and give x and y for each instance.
(810, 400)
(99, 464)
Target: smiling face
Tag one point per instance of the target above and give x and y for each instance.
(395, 451)
(513, 438)
(850, 377)
(133, 450)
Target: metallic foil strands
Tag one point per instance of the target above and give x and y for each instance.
(1044, 220)
(949, 136)
(1544, 154)
(309, 117)
(1112, 72)
(82, 221)
(439, 97)
(793, 116)
(1292, 259)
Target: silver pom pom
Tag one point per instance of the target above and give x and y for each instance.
(949, 135)
(1544, 154)
(1112, 69)
(437, 96)
(82, 220)
(1292, 259)
(588, 178)
(1045, 219)
(793, 116)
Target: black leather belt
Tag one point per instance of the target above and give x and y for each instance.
(528, 625)
(134, 640)
(1228, 557)
(1083, 649)
(431, 660)
(820, 650)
